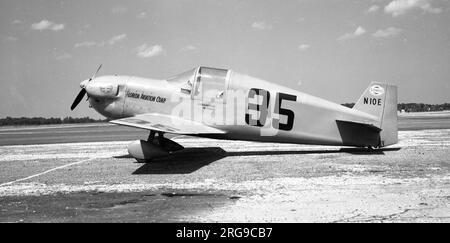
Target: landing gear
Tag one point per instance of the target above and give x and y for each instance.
(161, 139)
(154, 147)
(151, 136)
(373, 149)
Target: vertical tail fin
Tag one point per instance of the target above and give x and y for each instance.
(380, 100)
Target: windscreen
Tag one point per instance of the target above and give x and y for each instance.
(183, 77)
(184, 80)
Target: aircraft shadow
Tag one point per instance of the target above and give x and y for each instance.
(192, 159)
(182, 162)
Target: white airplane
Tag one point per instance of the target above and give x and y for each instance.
(224, 104)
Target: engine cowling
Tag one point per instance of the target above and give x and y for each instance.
(102, 90)
(147, 150)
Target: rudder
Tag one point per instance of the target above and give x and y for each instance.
(380, 100)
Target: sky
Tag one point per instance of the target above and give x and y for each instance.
(330, 48)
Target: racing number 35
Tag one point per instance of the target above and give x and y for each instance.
(263, 109)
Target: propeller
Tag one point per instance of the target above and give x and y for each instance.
(78, 99)
(83, 90)
(98, 69)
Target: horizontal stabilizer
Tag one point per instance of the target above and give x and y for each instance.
(358, 134)
(166, 123)
(366, 125)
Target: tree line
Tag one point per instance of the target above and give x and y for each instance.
(415, 107)
(45, 121)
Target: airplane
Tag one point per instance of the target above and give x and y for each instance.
(224, 104)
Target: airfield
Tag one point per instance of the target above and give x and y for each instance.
(82, 173)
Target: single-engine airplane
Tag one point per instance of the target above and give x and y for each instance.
(224, 104)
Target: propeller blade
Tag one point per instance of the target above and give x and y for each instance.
(78, 99)
(98, 69)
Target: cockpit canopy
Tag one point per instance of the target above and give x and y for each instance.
(197, 78)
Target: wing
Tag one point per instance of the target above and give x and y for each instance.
(166, 123)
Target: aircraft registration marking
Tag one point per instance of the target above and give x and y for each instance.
(372, 101)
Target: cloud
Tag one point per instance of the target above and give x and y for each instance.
(86, 44)
(400, 7)
(388, 32)
(17, 21)
(142, 15)
(262, 25)
(119, 9)
(47, 25)
(116, 39)
(112, 41)
(303, 47)
(358, 32)
(373, 9)
(11, 38)
(145, 51)
(63, 56)
(188, 48)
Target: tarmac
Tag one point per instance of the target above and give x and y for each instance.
(83, 173)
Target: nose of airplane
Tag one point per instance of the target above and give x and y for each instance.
(83, 84)
(83, 91)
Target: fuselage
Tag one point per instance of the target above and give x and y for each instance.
(247, 108)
